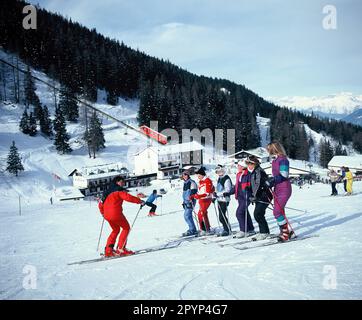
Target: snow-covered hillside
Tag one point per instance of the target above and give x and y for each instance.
(41, 162)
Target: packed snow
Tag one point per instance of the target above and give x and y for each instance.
(45, 238)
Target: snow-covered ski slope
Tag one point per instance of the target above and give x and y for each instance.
(46, 238)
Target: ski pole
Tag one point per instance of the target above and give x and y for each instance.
(161, 206)
(124, 244)
(195, 216)
(289, 208)
(136, 217)
(217, 218)
(100, 235)
(246, 213)
(225, 219)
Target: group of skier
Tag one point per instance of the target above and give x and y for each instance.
(343, 175)
(252, 186)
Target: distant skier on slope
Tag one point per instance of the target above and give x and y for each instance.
(224, 188)
(112, 211)
(343, 174)
(205, 191)
(260, 195)
(189, 189)
(282, 187)
(349, 183)
(242, 195)
(334, 177)
(149, 202)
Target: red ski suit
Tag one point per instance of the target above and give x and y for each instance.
(113, 212)
(205, 189)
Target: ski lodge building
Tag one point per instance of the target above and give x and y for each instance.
(168, 161)
(261, 153)
(354, 163)
(94, 180)
(294, 171)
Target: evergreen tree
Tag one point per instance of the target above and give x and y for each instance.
(357, 141)
(32, 125)
(31, 98)
(112, 97)
(61, 139)
(94, 136)
(326, 153)
(14, 161)
(24, 123)
(339, 150)
(46, 123)
(68, 104)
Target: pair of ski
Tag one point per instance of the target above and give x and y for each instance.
(252, 242)
(137, 252)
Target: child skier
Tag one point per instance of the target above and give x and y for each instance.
(260, 195)
(149, 202)
(242, 194)
(189, 189)
(223, 190)
(282, 187)
(205, 191)
(112, 211)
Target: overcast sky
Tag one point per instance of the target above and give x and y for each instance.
(274, 47)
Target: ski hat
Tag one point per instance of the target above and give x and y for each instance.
(201, 171)
(186, 172)
(242, 163)
(219, 168)
(252, 159)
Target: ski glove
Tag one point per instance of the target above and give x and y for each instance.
(252, 200)
(270, 182)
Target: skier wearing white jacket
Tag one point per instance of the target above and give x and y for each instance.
(224, 188)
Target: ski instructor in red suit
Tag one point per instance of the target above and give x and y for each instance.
(112, 211)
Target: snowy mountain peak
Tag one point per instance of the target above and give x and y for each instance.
(342, 103)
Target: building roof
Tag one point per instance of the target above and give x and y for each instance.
(102, 175)
(72, 173)
(292, 171)
(68, 193)
(180, 148)
(258, 152)
(353, 162)
(153, 149)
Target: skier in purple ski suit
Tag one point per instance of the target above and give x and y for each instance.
(282, 187)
